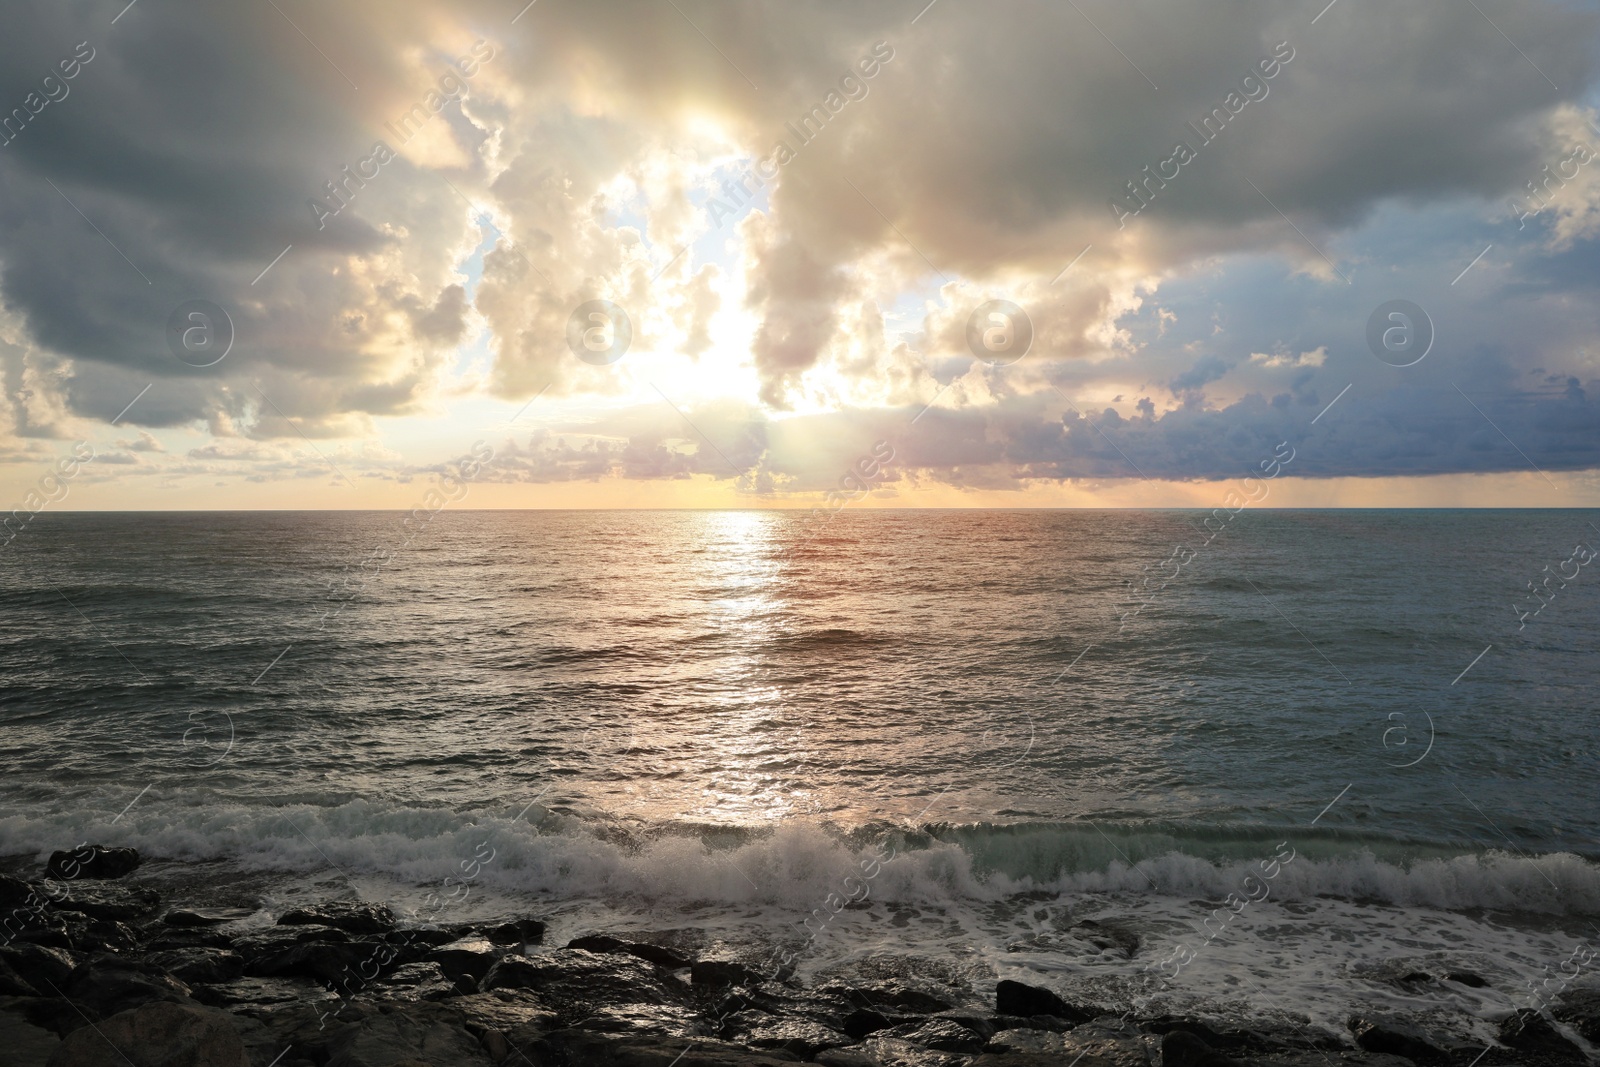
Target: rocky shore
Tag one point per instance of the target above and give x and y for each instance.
(95, 969)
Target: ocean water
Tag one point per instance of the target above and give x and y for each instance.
(1351, 721)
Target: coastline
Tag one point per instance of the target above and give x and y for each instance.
(204, 951)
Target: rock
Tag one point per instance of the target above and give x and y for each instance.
(351, 916)
(1395, 1038)
(1580, 1009)
(13, 984)
(197, 965)
(26, 1044)
(598, 943)
(1466, 978)
(1014, 998)
(798, 1036)
(470, 957)
(1109, 934)
(40, 967)
(661, 957)
(1088, 1045)
(403, 1035)
(109, 901)
(506, 1010)
(863, 1021)
(882, 1050)
(247, 995)
(277, 938)
(517, 932)
(585, 1047)
(156, 1035)
(941, 1035)
(190, 917)
(110, 985)
(612, 992)
(982, 1025)
(13, 892)
(92, 861)
(719, 973)
(1180, 1048)
(346, 966)
(418, 981)
(890, 995)
(1528, 1031)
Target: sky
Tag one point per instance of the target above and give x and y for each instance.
(692, 253)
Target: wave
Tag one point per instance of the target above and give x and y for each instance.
(566, 855)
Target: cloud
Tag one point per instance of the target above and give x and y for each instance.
(976, 162)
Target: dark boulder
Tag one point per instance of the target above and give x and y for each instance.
(1014, 998)
(1180, 1048)
(343, 965)
(940, 1035)
(195, 965)
(1529, 1032)
(863, 1021)
(351, 916)
(171, 1035)
(205, 916)
(597, 943)
(113, 902)
(110, 985)
(92, 861)
(1395, 1038)
(516, 932)
(40, 966)
(720, 973)
(469, 957)
(1580, 1009)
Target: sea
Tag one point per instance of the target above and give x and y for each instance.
(1263, 763)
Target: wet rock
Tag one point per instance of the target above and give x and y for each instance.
(1088, 1045)
(470, 957)
(110, 985)
(613, 992)
(1466, 978)
(1529, 1032)
(351, 916)
(798, 1036)
(656, 954)
(516, 932)
(1014, 998)
(719, 973)
(14, 892)
(941, 1035)
(199, 965)
(418, 981)
(1379, 1034)
(893, 996)
(1180, 1048)
(252, 994)
(26, 1044)
(587, 1047)
(884, 1051)
(114, 902)
(92, 861)
(407, 1034)
(57, 1014)
(190, 917)
(276, 939)
(984, 1026)
(863, 1021)
(189, 937)
(1580, 1009)
(13, 984)
(343, 965)
(515, 1016)
(1108, 934)
(168, 1035)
